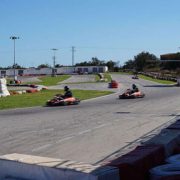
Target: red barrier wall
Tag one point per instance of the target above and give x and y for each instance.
(136, 164)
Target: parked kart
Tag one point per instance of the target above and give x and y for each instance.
(59, 101)
(129, 95)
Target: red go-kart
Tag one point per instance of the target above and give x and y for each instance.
(129, 94)
(58, 100)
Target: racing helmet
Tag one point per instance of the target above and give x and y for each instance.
(134, 86)
(66, 88)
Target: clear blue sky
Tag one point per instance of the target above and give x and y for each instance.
(107, 29)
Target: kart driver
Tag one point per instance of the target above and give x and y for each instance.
(67, 93)
(134, 88)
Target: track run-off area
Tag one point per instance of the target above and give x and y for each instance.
(95, 130)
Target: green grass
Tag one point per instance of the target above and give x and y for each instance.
(107, 76)
(96, 79)
(50, 81)
(40, 98)
(123, 73)
(88, 94)
(156, 80)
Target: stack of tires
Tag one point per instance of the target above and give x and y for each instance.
(17, 82)
(3, 88)
(113, 84)
(170, 171)
(31, 90)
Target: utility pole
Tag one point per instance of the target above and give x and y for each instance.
(14, 66)
(54, 61)
(73, 50)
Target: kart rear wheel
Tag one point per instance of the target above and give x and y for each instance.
(143, 95)
(65, 103)
(76, 102)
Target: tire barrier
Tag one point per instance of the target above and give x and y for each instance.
(41, 87)
(23, 85)
(170, 139)
(33, 86)
(38, 87)
(3, 88)
(13, 93)
(136, 164)
(19, 166)
(113, 84)
(177, 150)
(31, 90)
(173, 159)
(17, 82)
(165, 172)
(175, 125)
(17, 92)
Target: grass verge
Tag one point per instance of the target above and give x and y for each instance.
(40, 98)
(123, 73)
(106, 76)
(50, 81)
(156, 80)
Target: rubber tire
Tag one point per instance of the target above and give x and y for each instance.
(165, 171)
(173, 159)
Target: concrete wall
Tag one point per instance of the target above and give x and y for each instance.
(27, 167)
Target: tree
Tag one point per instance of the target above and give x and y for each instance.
(44, 66)
(111, 65)
(58, 66)
(85, 63)
(145, 60)
(17, 66)
(94, 62)
(129, 64)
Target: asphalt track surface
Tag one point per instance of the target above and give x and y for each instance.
(94, 131)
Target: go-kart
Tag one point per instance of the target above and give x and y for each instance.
(58, 100)
(129, 94)
(135, 77)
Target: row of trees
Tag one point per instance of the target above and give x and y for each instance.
(141, 62)
(112, 65)
(17, 66)
(146, 61)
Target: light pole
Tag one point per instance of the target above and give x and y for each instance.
(14, 39)
(54, 61)
(73, 50)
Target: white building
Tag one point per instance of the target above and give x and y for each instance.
(31, 71)
(65, 70)
(48, 71)
(91, 69)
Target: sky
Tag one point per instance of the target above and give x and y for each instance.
(107, 29)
